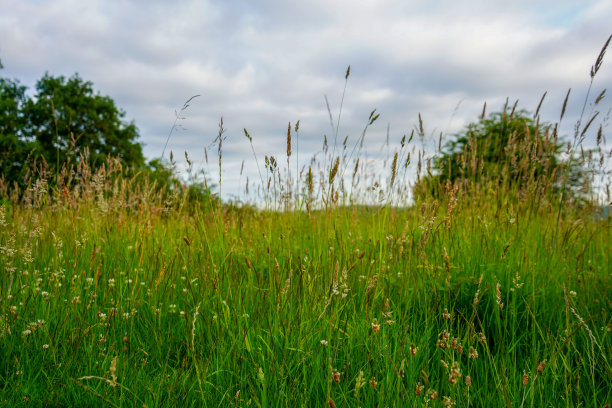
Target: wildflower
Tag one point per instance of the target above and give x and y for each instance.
(375, 326)
(419, 389)
(324, 342)
(331, 403)
(111, 283)
(444, 364)
(336, 376)
(525, 379)
(432, 394)
(473, 353)
(482, 338)
(45, 346)
(446, 315)
(373, 382)
(102, 317)
(541, 366)
(468, 381)
(413, 350)
(26, 332)
(443, 339)
(455, 370)
(447, 402)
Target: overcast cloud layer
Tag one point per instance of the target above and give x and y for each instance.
(262, 64)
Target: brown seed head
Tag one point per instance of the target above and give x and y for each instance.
(419, 389)
(335, 376)
(375, 326)
(432, 394)
(289, 140)
(599, 60)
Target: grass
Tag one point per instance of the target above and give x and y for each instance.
(116, 293)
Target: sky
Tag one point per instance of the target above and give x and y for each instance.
(263, 64)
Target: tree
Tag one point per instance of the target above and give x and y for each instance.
(64, 121)
(67, 118)
(506, 151)
(15, 148)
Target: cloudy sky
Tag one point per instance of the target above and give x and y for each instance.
(262, 64)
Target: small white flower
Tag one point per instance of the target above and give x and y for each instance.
(45, 346)
(324, 342)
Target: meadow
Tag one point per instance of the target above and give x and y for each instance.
(335, 291)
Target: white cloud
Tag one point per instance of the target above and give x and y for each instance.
(263, 64)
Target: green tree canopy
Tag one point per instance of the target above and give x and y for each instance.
(507, 151)
(63, 121)
(16, 150)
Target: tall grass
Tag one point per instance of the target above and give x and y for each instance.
(114, 292)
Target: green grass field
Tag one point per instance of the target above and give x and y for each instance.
(112, 296)
(116, 293)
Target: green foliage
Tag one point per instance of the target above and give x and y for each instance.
(64, 122)
(506, 151)
(113, 295)
(67, 118)
(15, 149)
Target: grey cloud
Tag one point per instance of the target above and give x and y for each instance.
(263, 64)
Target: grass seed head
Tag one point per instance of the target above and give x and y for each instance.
(418, 389)
(375, 326)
